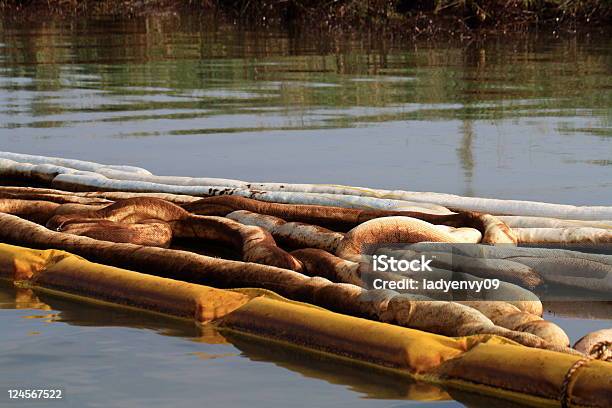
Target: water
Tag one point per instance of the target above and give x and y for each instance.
(510, 118)
(103, 357)
(526, 117)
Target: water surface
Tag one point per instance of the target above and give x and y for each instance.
(526, 117)
(111, 357)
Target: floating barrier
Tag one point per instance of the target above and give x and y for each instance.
(91, 197)
(318, 237)
(516, 221)
(462, 234)
(148, 233)
(503, 306)
(69, 163)
(511, 317)
(446, 318)
(88, 222)
(318, 262)
(114, 176)
(569, 268)
(343, 219)
(14, 193)
(508, 251)
(38, 211)
(57, 270)
(254, 244)
(494, 231)
(292, 234)
(322, 263)
(94, 181)
(572, 272)
(389, 230)
(504, 269)
(597, 344)
(154, 222)
(566, 235)
(486, 364)
(533, 230)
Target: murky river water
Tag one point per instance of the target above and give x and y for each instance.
(527, 117)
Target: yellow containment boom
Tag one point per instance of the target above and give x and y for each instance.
(486, 364)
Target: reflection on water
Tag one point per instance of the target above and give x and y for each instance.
(92, 350)
(466, 155)
(369, 382)
(479, 117)
(194, 349)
